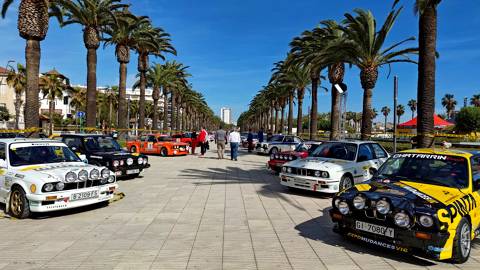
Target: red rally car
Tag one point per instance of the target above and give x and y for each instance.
(302, 151)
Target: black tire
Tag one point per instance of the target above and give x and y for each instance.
(133, 149)
(273, 151)
(19, 206)
(164, 152)
(346, 182)
(462, 243)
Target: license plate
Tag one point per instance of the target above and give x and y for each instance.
(375, 229)
(84, 195)
(133, 171)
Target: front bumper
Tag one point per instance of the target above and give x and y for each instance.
(309, 183)
(275, 165)
(404, 240)
(177, 152)
(55, 201)
(128, 170)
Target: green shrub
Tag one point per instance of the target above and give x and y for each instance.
(468, 120)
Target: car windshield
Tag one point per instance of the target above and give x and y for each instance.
(21, 155)
(449, 171)
(99, 144)
(336, 150)
(302, 147)
(277, 138)
(165, 139)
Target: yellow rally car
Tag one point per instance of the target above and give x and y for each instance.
(422, 202)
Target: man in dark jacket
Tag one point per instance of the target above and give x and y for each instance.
(250, 140)
(260, 135)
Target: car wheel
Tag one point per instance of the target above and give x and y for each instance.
(19, 206)
(274, 151)
(346, 182)
(133, 149)
(462, 244)
(164, 152)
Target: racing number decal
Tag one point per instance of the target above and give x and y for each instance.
(150, 146)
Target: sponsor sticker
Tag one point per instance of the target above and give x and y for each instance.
(378, 243)
(420, 156)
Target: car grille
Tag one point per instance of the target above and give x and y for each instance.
(303, 172)
(80, 185)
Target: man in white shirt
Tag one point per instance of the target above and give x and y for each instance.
(234, 139)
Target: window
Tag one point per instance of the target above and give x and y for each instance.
(297, 140)
(364, 153)
(2, 151)
(476, 170)
(378, 150)
(289, 139)
(336, 150)
(3, 105)
(152, 138)
(73, 142)
(143, 138)
(65, 100)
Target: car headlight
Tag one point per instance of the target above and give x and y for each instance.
(402, 220)
(426, 221)
(272, 157)
(284, 169)
(325, 174)
(111, 179)
(145, 161)
(290, 158)
(70, 177)
(105, 173)
(140, 160)
(116, 163)
(343, 208)
(130, 161)
(383, 207)
(359, 202)
(94, 174)
(48, 187)
(289, 170)
(277, 157)
(317, 173)
(122, 162)
(83, 175)
(60, 186)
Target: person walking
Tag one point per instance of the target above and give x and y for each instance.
(220, 140)
(260, 135)
(234, 139)
(250, 140)
(202, 140)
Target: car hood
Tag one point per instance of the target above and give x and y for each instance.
(320, 164)
(52, 172)
(113, 154)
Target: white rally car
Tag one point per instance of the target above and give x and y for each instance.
(43, 175)
(278, 143)
(334, 166)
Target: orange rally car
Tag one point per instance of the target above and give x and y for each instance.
(158, 144)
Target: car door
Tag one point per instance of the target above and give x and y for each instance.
(364, 163)
(151, 145)
(143, 143)
(475, 167)
(288, 144)
(3, 172)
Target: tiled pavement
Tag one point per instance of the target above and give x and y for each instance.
(198, 213)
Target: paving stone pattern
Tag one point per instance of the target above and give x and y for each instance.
(198, 213)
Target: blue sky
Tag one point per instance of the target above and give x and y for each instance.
(230, 46)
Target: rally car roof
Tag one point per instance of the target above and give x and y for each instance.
(26, 140)
(84, 135)
(440, 151)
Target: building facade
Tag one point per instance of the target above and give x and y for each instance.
(226, 115)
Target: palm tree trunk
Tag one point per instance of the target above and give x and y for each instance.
(366, 118)
(141, 103)
(300, 112)
(282, 120)
(385, 124)
(314, 109)
(110, 112)
(426, 75)
(272, 118)
(335, 115)
(122, 97)
(32, 59)
(91, 87)
(277, 124)
(18, 105)
(290, 113)
(179, 118)
(51, 108)
(165, 110)
(172, 115)
(155, 112)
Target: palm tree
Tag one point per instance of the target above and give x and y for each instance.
(18, 81)
(53, 84)
(427, 43)
(146, 46)
(400, 112)
(449, 102)
(94, 16)
(123, 33)
(385, 111)
(32, 24)
(79, 98)
(475, 100)
(112, 102)
(412, 103)
(363, 46)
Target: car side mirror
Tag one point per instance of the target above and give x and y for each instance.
(3, 163)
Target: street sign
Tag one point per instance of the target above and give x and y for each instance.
(80, 114)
